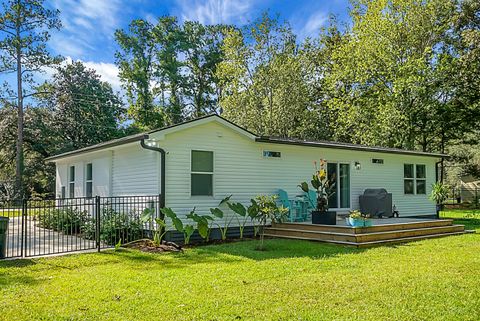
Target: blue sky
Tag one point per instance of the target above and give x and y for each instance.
(89, 25)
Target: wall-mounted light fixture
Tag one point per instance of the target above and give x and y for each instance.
(358, 166)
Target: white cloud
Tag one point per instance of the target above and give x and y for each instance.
(107, 71)
(311, 26)
(215, 11)
(84, 21)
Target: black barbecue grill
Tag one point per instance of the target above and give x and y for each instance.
(376, 202)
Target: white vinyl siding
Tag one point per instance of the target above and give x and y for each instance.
(241, 170)
(135, 171)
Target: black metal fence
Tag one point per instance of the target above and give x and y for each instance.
(44, 227)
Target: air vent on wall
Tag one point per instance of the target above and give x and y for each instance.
(377, 161)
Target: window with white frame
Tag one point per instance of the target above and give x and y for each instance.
(201, 173)
(71, 181)
(414, 179)
(89, 180)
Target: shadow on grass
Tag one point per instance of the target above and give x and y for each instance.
(224, 253)
(12, 272)
(280, 249)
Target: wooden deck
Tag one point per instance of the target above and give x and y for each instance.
(383, 231)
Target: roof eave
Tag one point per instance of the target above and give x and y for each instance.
(97, 147)
(356, 148)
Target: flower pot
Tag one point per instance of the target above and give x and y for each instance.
(359, 222)
(324, 217)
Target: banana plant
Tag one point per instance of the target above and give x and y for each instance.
(187, 229)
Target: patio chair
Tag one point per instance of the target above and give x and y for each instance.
(293, 207)
(311, 199)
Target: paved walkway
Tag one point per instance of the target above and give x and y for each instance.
(41, 241)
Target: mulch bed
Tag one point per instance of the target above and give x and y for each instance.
(149, 246)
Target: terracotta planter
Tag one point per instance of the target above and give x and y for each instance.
(325, 217)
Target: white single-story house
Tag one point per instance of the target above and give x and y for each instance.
(199, 162)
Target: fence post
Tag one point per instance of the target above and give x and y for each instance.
(97, 221)
(23, 247)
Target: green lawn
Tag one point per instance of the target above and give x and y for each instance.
(437, 279)
(469, 218)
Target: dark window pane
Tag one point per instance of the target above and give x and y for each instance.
(267, 153)
(408, 186)
(72, 174)
(332, 174)
(202, 184)
(344, 185)
(421, 171)
(89, 172)
(421, 187)
(64, 192)
(408, 170)
(202, 161)
(71, 190)
(89, 189)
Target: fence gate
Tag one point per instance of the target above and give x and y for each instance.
(45, 227)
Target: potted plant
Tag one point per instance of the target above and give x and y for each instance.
(439, 195)
(324, 187)
(357, 219)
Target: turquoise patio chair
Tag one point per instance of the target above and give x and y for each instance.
(311, 199)
(293, 207)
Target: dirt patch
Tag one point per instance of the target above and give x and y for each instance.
(151, 247)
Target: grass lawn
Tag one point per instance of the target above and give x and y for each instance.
(469, 218)
(436, 279)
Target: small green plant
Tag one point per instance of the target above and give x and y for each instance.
(203, 224)
(118, 245)
(357, 215)
(219, 213)
(187, 229)
(241, 211)
(148, 216)
(439, 193)
(267, 211)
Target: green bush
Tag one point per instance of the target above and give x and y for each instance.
(115, 226)
(69, 221)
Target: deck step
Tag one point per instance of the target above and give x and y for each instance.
(375, 243)
(364, 237)
(360, 230)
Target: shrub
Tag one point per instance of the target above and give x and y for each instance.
(69, 221)
(115, 227)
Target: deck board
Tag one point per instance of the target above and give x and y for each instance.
(383, 231)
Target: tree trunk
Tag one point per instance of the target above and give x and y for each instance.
(19, 156)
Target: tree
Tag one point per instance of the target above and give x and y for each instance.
(203, 53)
(395, 76)
(25, 27)
(84, 110)
(262, 81)
(135, 61)
(169, 70)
